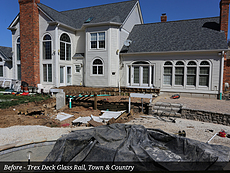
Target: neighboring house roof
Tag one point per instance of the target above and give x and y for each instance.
(115, 12)
(184, 35)
(6, 52)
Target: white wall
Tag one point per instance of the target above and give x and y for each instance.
(158, 61)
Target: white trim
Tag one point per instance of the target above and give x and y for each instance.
(169, 52)
(103, 65)
(71, 42)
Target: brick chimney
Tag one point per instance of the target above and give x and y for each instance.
(163, 17)
(29, 37)
(224, 12)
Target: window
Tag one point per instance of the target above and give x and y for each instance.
(69, 75)
(47, 72)
(1, 70)
(204, 74)
(168, 73)
(77, 68)
(19, 71)
(18, 47)
(97, 67)
(191, 73)
(98, 40)
(61, 74)
(47, 47)
(179, 73)
(65, 47)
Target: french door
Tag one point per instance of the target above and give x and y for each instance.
(140, 75)
(65, 75)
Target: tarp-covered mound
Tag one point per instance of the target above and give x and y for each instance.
(146, 149)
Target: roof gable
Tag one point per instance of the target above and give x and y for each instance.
(184, 35)
(6, 52)
(115, 12)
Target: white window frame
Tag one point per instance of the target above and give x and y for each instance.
(168, 66)
(46, 78)
(2, 66)
(45, 41)
(79, 67)
(97, 40)
(191, 66)
(175, 74)
(95, 65)
(209, 72)
(67, 75)
(130, 74)
(65, 49)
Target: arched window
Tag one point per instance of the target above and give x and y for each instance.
(179, 73)
(168, 73)
(47, 47)
(191, 73)
(204, 73)
(18, 49)
(97, 67)
(65, 47)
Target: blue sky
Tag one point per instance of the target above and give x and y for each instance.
(151, 10)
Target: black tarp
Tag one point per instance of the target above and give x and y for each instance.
(146, 149)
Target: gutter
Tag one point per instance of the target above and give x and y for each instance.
(101, 23)
(62, 24)
(185, 51)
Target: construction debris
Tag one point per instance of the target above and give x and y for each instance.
(63, 116)
(107, 115)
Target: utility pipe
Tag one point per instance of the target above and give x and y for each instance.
(221, 75)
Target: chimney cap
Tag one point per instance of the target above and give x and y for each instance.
(163, 14)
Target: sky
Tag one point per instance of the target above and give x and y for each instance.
(151, 11)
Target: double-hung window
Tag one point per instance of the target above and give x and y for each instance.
(179, 73)
(191, 73)
(47, 72)
(97, 40)
(204, 74)
(168, 73)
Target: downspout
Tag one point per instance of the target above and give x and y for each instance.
(221, 75)
(56, 56)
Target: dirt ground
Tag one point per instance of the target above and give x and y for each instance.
(44, 113)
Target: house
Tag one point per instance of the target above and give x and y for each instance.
(110, 46)
(5, 62)
(179, 56)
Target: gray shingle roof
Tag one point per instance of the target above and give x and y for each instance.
(184, 35)
(6, 52)
(115, 12)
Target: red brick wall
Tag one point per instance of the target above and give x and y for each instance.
(29, 36)
(224, 13)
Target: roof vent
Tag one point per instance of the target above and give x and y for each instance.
(127, 43)
(89, 20)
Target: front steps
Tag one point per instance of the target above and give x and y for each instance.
(167, 109)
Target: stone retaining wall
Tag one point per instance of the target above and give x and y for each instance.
(205, 116)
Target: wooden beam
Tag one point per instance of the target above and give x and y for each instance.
(95, 101)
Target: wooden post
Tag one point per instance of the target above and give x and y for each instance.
(95, 101)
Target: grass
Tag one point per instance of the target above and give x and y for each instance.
(13, 100)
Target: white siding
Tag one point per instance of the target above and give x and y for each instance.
(159, 59)
(127, 27)
(97, 80)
